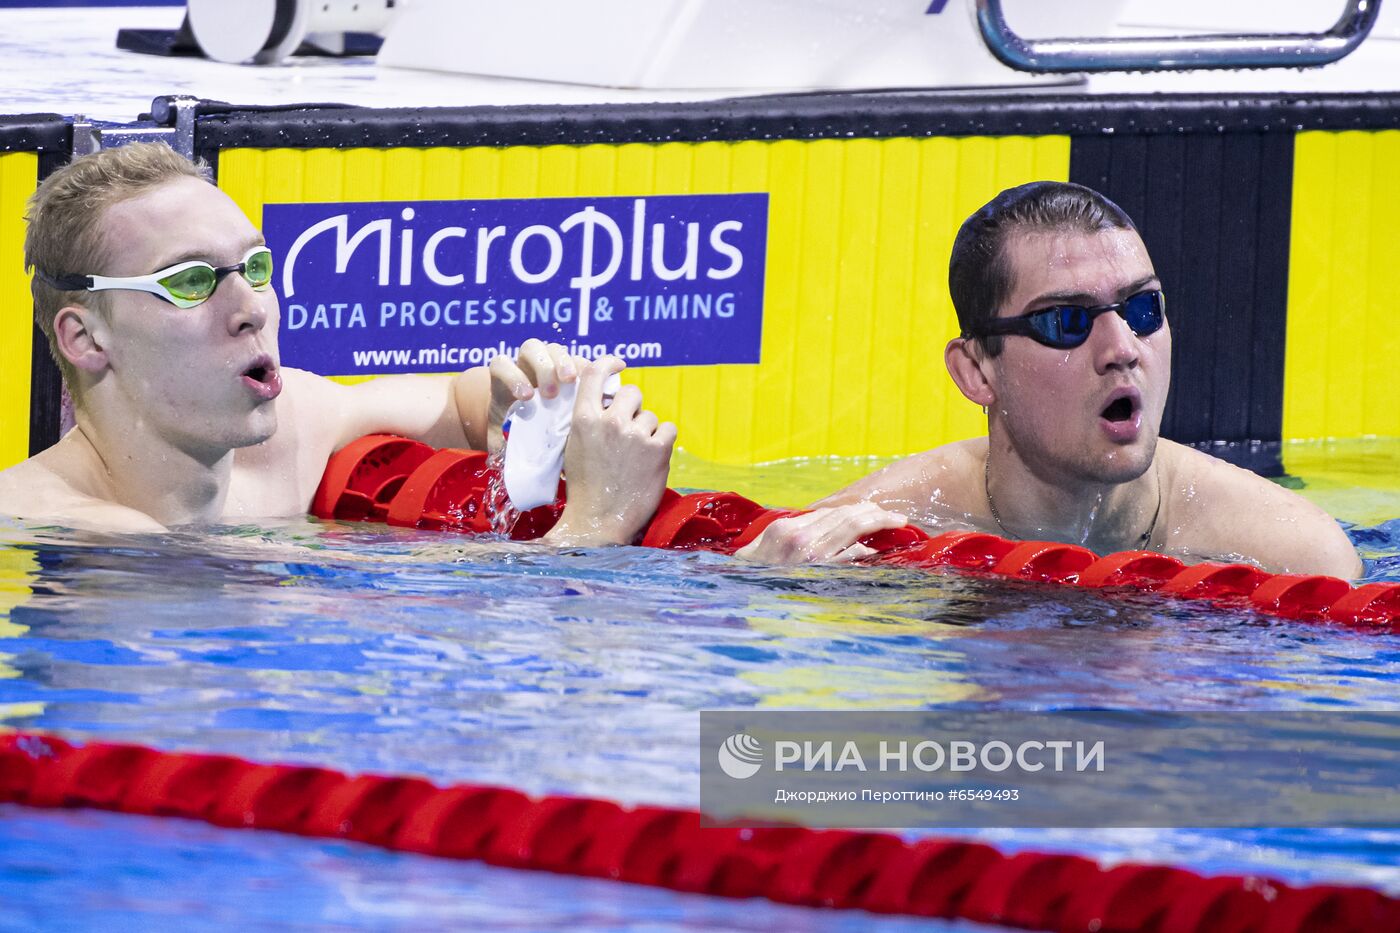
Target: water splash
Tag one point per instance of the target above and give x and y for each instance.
(501, 514)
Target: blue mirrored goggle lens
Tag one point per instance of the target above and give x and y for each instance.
(1064, 325)
(1143, 312)
(1070, 325)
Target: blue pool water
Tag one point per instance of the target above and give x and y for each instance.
(369, 649)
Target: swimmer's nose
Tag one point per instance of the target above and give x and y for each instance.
(1115, 346)
(249, 311)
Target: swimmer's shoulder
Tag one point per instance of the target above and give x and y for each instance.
(1209, 489)
(36, 492)
(33, 485)
(1221, 509)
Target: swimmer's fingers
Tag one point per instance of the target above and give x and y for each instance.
(508, 386)
(566, 367)
(842, 528)
(785, 541)
(588, 404)
(539, 365)
(831, 534)
(853, 553)
(508, 382)
(626, 405)
(545, 366)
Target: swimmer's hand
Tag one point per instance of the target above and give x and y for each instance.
(540, 366)
(825, 535)
(616, 462)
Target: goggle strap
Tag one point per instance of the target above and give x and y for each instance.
(68, 282)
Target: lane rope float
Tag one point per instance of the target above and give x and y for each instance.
(668, 847)
(408, 484)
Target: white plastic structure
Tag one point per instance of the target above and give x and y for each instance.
(722, 44)
(534, 456)
(266, 31)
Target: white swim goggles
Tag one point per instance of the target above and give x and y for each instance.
(185, 284)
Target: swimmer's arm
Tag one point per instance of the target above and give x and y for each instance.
(831, 532)
(903, 486)
(420, 407)
(465, 410)
(827, 534)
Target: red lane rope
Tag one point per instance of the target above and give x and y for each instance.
(403, 482)
(669, 848)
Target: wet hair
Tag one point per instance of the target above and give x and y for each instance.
(66, 233)
(979, 273)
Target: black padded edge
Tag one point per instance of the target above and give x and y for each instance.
(35, 132)
(45, 381)
(802, 116)
(1215, 212)
(45, 395)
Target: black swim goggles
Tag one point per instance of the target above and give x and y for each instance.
(1065, 327)
(185, 284)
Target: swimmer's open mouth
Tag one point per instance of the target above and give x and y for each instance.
(263, 378)
(1120, 409)
(262, 369)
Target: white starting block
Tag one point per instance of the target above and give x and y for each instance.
(727, 44)
(267, 31)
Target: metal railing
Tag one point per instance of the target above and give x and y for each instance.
(1175, 53)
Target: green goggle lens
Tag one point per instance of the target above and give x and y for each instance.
(194, 284)
(257, 268)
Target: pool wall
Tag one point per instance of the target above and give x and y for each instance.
(1267, 218)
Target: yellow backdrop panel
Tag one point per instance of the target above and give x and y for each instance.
(856, 308)
(1341, 376)
(19, 175)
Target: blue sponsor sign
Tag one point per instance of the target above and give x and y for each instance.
(436, 286)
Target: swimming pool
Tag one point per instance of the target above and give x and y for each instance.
(368, 649)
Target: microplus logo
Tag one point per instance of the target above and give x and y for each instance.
(435, 285)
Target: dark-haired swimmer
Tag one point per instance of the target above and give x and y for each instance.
(154, 291)
(1066, 344)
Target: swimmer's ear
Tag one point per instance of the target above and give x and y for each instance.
(964, 358)
(80, 335)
